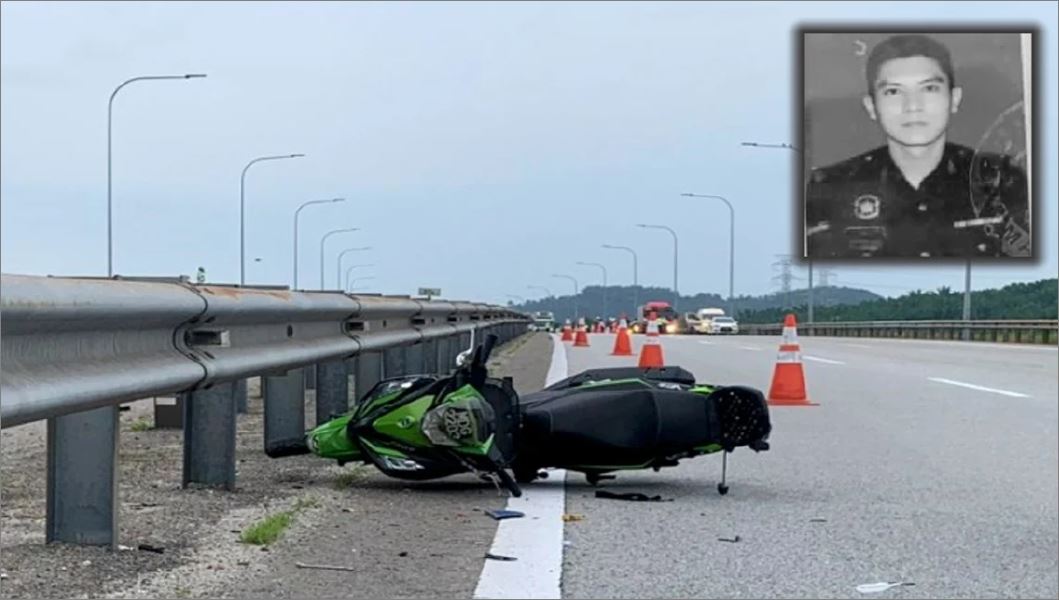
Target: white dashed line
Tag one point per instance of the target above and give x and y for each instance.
(981, 388)
(754, 348)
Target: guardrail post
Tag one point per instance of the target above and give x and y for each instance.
(413, 359)
(332, 390)
(393, 362)
(284, 399)
(82, 481)
(168, 412)
(241, 394)
(430, 357)
(367, 372)
(445, 356)
(209, 436)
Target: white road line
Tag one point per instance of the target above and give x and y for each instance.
(858, 346)
(706, 343)
(978, 387)
(754, 348)
(823, 360)
(536, 540)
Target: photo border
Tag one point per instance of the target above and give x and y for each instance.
(800, 244)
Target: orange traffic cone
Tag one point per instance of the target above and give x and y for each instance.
(651, 353)
(581, 339)
(788, 379)
(568, 335)
(622, 342)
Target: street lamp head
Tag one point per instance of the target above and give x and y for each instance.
(295, 156)
(688, 194)
(338, 199)
(194, 75)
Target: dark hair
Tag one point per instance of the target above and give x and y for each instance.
(903, 46)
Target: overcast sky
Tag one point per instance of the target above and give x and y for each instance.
(482, 147)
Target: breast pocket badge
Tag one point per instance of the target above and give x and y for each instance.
(867, 207)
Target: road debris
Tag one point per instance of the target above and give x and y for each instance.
(501, 514)
(150, 548)
(882, 586)
(633, 496)
(323, 567)
(491, 556)
(567, 517)
(732, 540)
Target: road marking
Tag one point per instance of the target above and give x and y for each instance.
(978, 387)
(706, 343)
(754, 348)
(536, 540)
(823, 360)
(858, 346)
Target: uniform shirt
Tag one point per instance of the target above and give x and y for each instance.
(968, 206)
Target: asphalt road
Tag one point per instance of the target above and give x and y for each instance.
(895, 476)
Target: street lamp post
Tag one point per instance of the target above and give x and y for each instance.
(322, 241)
(356, 279)
(808, 259)
(604, 269)
(576, 291)
(304, 204)
(110, 120)
(350, 270)
(539, 287)
(676, 292)
(338, 274)
(242, 210)
(731, 246)
(635, 274)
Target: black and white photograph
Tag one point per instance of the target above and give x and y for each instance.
(917, 145)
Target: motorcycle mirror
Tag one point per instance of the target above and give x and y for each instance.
(462, 358)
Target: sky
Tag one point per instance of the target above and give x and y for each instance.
(481, 147)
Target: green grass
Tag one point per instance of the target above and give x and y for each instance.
(350, 476)
(267, 530)
(141, 424)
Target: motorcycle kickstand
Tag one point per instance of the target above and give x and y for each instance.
(722, 488)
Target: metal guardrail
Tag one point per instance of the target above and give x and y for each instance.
(73, 344)
(74, 348)
(1043, 331)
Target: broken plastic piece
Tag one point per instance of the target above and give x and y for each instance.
(150, 548)
(501, 514)
(321, 567)
(567, 517)
(491, 556)
(633, 496)
(882, 586)
(732, 539)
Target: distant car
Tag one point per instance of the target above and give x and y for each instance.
(720, 325)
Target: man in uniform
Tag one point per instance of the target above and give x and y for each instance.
(918, 195)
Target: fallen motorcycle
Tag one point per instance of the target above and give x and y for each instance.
(602, 420)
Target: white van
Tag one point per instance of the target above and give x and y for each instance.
(705, 319)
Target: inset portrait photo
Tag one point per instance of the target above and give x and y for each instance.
(917, 145)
